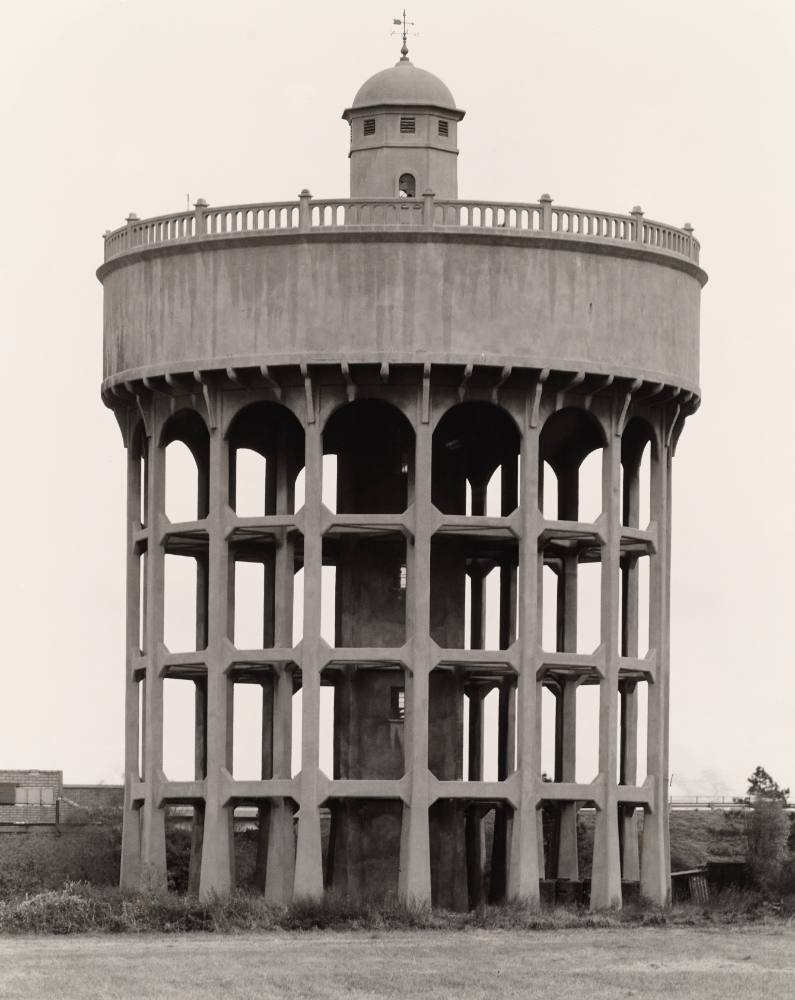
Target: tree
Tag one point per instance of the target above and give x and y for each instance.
(768, 830)
(762, 786)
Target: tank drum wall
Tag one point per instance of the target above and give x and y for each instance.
(396, 297)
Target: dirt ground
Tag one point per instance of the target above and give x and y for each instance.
(750, 963)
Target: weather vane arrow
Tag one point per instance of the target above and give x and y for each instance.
(402, 23)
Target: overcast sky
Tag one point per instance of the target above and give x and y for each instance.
(684, 107)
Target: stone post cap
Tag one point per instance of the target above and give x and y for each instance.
(636, 210)
(305, 193)
(132, 217)
(200, 203)
(545, 197)
(687, 227)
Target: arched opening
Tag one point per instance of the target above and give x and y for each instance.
(266, 453)
(186, 441)
(637, 454)
(475, 472)
(374, 445)
(476, 443)
(187, 461)
(407, 186)
(368, 456)
(567, 440)
(138, 484)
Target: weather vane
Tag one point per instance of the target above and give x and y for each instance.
(404, 24)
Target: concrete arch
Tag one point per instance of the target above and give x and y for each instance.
(235, 402)
(471, 440)
(188, 427)
(638, 432)
(374, 444)
(138, 470)
(275, 433)
(568, 436)
(400, 398)
(636, 474)
(570, 431)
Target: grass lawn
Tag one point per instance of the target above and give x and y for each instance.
(753, 963)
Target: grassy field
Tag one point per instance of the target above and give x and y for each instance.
(697, 964)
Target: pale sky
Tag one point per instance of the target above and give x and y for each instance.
(110, 106)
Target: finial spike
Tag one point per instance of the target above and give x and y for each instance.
(404, 32)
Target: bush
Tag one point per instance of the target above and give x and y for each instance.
(79, 908)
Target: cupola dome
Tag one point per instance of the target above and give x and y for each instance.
(402, 84)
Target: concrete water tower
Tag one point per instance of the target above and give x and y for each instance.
(462, 360)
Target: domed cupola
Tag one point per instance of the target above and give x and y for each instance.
(404, 126)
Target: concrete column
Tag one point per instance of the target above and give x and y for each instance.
(506, 731)
(200, 717)
(628, 822)
(414, 881)
(477, 619)
(655, 864)
(131, 831)
(567, 860)
(606, 875)
(665, 633)
(280, 863)
(200, 771)
(153, 830)
(217, 864)
(280, 874)
(308, 882)
(524, 871)
(475, 837)
(628, 830)
(506, 764)
(477, 579)
(266, 771)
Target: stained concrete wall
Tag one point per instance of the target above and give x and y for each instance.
(364, 842)
(403, 297)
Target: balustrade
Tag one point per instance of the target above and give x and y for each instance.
(321, 215)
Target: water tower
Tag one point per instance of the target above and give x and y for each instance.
(462, 362)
